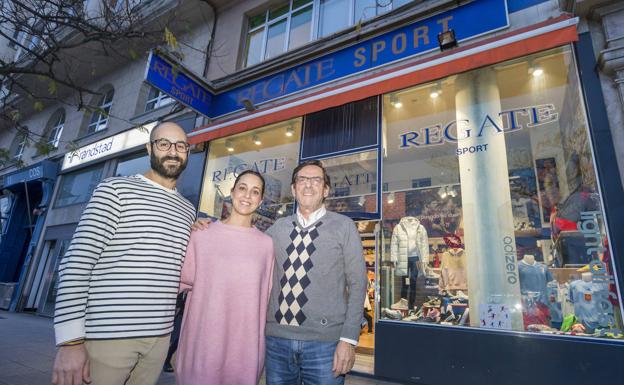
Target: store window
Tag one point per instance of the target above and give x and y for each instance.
(504, 227)
(99, 117)
(77, 187)
(133, 164)
(353, 183)
(21, 140)
(272, 150)
(6, 202)
(294, 23)
(156, 98)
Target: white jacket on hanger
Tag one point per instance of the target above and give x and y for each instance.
(409, 239)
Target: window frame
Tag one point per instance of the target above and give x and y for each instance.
(21, 146)
(314, 30)
(101, 121)
(160, 100)
(57, 129)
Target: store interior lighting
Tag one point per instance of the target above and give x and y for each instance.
(390, 198)
(256, 140)
(395, 101)
(535, 69)
(282, 209)
(447, 191)
(290, 131)
(229, 146)
(362, 201)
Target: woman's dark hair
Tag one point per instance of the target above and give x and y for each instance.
(313, 162)
(252, 172)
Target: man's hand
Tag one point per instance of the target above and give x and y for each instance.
(71, 366)
(201, 224)
(344, 358)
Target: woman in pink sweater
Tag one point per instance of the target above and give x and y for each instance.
(227, 270)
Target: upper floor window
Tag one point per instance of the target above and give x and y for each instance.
(292, 24)
(99, 117)
(22, 140)
(156, 98)
(55, 128)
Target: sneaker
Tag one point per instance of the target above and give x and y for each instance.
(167, 367)
(461, 294)
(399, 305)
(391, 314)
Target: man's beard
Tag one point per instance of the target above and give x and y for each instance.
(169, 172)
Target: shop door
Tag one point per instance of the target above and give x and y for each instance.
(365, 351)
(50, 278)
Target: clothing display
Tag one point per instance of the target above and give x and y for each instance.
(409, 239)
(533, 278)
(586, 302)
(453, 270)
(554, 303)
(131, 240)
(227, 282)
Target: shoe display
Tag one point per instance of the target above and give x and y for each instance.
(391, 314)
(399, 305)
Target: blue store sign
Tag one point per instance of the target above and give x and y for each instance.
(43, 170)
(468, 21)
(179, 83)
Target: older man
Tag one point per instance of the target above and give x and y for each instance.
(319, 284)
(119, 278)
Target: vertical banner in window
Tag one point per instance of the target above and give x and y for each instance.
(488, 222)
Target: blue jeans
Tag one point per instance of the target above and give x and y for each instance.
(295, 362)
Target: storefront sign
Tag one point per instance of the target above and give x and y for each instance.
(43, 170)
(178, 82)
(262, 166)
(512, 120)
(414, 39)
(401, 43)
(109, 146)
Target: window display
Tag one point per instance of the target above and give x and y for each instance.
(273, 151)
(508, 232)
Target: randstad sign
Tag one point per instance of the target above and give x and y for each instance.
(109, 146)
(468, 21)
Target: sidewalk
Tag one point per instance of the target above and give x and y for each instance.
(27, 352)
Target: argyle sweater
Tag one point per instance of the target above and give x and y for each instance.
(121, 273)
(319, 280)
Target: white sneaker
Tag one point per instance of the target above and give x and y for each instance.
(399, 305)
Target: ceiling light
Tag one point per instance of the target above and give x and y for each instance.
(290, 131)
(390, 198)
(537, 72)
(361, 200)
(229, 146)
(395, 101)
(256, 140)
(434, 94)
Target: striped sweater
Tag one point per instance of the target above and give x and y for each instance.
(121, 273)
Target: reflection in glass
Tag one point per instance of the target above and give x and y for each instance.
(254, 47)
(334, 16)
(300, 28)
(77, 187)
(275, 159)
(275, 39)
(492, 214)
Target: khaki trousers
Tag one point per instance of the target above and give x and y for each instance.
(133, 361)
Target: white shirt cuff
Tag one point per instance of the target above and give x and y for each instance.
(352, 342)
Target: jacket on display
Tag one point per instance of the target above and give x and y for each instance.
(409, 239)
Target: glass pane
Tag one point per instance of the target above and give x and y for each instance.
(227, 157)
(300, 28)
(257, 20)
(334, 16)
(492, 215)
(135, 164)
(397, 3)
(353, 183)
(254, 47)
(5, 209)
(278, 11)
(299, 3)
(275, 39)
(365, 9)
(77, 187)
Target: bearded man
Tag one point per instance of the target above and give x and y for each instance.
(119, 279)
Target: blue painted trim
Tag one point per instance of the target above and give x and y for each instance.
(518, 5)
(604, 152)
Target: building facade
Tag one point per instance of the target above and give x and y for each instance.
(477, 144)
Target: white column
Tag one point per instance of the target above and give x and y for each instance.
(486, 200)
